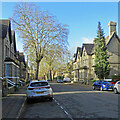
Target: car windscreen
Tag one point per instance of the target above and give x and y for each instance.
(38, 84)
(107, 83)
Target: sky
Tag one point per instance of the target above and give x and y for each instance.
(82, 18)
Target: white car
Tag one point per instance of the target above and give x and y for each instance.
(117, 87)
(66, 80)
(39, 89)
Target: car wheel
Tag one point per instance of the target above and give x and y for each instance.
(51, 99)
(101, 89)
(28, 100)
(115, 91)
(93, 88)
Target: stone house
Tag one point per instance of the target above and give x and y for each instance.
(10, 62)
(83, 65)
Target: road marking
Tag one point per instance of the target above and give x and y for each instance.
(16, 95)
(19, 113)
(68, 115)
(73, 92)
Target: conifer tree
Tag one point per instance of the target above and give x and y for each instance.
(102, 66)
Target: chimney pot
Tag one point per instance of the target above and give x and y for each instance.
(112, 27)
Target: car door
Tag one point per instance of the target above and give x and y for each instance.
(95, 84)
(118, 86)
(98, 84)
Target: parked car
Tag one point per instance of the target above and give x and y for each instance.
(48, 80)
(114, 81)
(117, 87)
(39, 89)
(59, 81)
(66, 80)
(102, 85)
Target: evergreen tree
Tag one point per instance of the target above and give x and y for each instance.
(102, 66)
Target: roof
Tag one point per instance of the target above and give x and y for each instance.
(110, 38)
(79, 49)
(5, 26)
(14, 41)
(89, 48)
(8, 59)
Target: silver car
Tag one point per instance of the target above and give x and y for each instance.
(39, 89)
(117, 87)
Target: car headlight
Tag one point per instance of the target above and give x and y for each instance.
(103, 85)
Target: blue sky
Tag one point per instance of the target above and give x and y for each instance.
(82, 18)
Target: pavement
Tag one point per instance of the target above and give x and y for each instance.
(12, 104)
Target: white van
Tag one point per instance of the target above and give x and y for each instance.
(66, 80)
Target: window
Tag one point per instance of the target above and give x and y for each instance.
(38, 84)
(83, 62)
(5, 50)
(86, 73)
(118, 82)
(7, 70)
(93, 61)
(84, 53)
(86, 62)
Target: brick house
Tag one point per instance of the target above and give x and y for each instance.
(84, 64)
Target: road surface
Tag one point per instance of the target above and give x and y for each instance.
(74, 101)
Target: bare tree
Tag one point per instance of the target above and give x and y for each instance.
(39, 30)
(55, 54)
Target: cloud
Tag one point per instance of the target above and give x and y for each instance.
(87, 40)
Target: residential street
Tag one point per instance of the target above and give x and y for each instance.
(74, 101)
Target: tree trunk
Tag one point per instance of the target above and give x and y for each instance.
(50, 75)
(37, 71)
(53, 75)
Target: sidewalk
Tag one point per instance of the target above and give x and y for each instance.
(13, 103)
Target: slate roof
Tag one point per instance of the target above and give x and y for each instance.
(5, 26)
(89, 48)
(109, 39)
(79, 49)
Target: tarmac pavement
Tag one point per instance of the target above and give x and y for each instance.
(12, 104)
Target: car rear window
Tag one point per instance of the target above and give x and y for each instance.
(38, 84)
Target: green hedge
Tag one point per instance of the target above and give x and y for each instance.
(115, 77)
(93, 80)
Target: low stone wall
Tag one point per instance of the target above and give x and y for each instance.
(11, 89)
(4, 87)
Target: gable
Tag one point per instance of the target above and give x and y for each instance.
(114, 35)
(78, 53)
(5, 26)
(89, 48)
(84, 52)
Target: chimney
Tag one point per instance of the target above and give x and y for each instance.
(112, 27)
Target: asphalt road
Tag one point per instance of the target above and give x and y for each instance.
(74, 101)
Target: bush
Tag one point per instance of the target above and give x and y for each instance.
(93, 80)
(59, 77)
(115, 77)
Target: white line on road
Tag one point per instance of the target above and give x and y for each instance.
(63, 109)
(21, 109)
